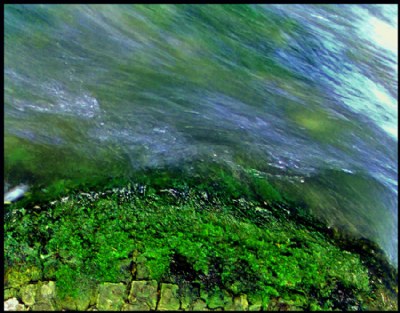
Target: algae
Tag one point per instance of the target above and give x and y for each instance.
(229, 243)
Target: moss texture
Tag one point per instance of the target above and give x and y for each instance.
(212, 235)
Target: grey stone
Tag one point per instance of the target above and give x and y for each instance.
(13, 305)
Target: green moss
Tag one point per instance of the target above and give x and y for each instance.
(238, 245)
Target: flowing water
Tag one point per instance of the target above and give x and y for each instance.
(305, 94)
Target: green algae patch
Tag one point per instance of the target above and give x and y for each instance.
(240, 253)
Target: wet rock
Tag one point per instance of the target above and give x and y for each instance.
(111, 297)
(13, 305)
(143, 295)
(28, 294)
(239, 304)
(199, 305)
(169, 300)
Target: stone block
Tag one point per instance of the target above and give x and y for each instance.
(111, 297)
(169, 298)
(143, 294)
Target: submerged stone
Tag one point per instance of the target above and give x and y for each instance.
(169, 300)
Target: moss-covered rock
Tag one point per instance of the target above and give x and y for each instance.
(28, 294)
(39, 296)
(111, 297)
(46, 290)
(143, 295)
(43, 306)
(169, 298)
(239, 304)
(10, 293)
(18, 276)
(199, 305)
(143, 271)
(208, 241)
(219, 299)
(138, 306)
(255, 302)
(79, 302)
(188, 295)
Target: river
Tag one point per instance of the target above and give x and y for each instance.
(304, 94)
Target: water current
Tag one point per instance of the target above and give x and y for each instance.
(304, 94)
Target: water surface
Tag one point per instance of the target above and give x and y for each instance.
(304, 94)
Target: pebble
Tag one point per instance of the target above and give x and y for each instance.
(13, 305)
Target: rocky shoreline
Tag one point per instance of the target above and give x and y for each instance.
(137, 296)
(187, 250)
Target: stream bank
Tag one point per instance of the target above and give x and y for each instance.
(170, 244)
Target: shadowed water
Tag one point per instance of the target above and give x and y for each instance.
(305, 94)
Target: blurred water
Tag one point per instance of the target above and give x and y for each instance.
(306, 94)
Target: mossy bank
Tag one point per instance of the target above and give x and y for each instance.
(168, 244)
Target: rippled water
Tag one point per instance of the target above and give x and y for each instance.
(306, 94)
